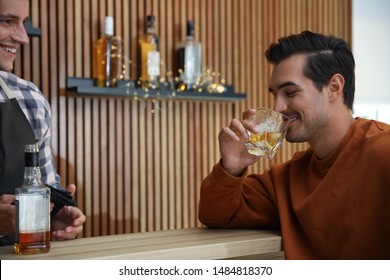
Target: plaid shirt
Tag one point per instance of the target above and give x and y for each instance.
(37, 111)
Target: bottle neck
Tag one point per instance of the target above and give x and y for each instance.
(150, 25)
(190, 32)
(150, 30)
(32, 175)
(190, 38)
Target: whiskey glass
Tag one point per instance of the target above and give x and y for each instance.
(272, 126)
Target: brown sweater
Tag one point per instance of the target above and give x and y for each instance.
(335, 208)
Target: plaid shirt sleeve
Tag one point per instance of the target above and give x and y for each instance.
(37, 110)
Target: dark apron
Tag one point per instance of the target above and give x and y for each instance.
(15, 133)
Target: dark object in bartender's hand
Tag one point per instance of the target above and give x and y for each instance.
(60, 198)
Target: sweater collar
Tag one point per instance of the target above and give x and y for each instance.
(326, 163)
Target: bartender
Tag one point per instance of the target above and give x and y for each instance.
(25, 118)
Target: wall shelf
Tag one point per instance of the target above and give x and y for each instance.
(32, 31)
(85, 87)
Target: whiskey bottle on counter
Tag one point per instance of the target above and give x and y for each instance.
(190, 58)
(107, 60)
(149, 55)
(32, 217)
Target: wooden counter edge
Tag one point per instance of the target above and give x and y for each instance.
(185, 244)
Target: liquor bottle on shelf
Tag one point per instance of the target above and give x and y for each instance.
(149, 55)
(32, 204)
(190, 59)
(107, 60)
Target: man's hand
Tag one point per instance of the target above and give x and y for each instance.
(234, 154)
(68, 222)
(7, 214)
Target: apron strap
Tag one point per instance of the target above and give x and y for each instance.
(6, 89)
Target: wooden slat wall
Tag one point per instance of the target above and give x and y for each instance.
(139, 164)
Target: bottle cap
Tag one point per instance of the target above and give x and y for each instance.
(31, 148)
(150, 19)
(190, 28)
(109, 26)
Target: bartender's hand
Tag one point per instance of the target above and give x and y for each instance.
(68, 222)
(7, 214)
(234, 154)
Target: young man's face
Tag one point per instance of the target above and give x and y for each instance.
(296, 96)
(12, 33)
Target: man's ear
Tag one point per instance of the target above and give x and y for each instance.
(335, 87)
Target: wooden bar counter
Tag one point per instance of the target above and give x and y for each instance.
(185, 244)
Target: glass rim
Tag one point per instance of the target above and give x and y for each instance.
(272, 110)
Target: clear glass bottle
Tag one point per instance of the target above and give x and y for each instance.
(32, 217)
(107, 60)
(190, 58)
(149, 74)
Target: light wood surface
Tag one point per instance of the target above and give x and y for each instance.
(194, 243)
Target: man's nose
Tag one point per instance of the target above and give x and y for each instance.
(20, 35)
(280, 104)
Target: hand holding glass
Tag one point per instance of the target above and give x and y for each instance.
(272, 126)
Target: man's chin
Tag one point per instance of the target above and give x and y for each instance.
(293, 138)
(8, 67)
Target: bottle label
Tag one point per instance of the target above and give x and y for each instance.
(153, 63)
(33, 212)
(191, 63)
(189, 66)
(31, 159)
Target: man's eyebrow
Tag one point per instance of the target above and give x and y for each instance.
(8, 16)
(11, 16)
(286, 84)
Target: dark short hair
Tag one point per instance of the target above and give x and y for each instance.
(326, 56)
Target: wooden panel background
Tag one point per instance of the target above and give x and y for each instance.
(139, 164)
